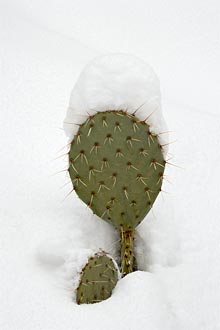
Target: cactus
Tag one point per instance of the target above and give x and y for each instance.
(116, 166)
(98, 278)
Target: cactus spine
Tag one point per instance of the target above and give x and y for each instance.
(116, 166)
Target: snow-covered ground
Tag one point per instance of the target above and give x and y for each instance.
(43, 233)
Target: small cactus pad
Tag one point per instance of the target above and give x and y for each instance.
(116, 167)
(98, 279)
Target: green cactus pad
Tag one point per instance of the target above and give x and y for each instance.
(116, 167)
(98, 279)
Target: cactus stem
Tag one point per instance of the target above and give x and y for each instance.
(127, 257)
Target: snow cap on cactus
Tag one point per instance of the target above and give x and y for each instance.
(117, 82)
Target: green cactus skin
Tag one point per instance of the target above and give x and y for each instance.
(98, 278)
(116, 167)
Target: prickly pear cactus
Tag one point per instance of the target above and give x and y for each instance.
(98, 279)
(116, 167)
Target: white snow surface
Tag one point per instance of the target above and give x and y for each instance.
(116, 82)
(45, 235)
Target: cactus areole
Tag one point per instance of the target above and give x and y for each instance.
(116, 166)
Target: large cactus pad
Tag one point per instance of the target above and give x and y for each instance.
(116, 166)
(98, 279)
